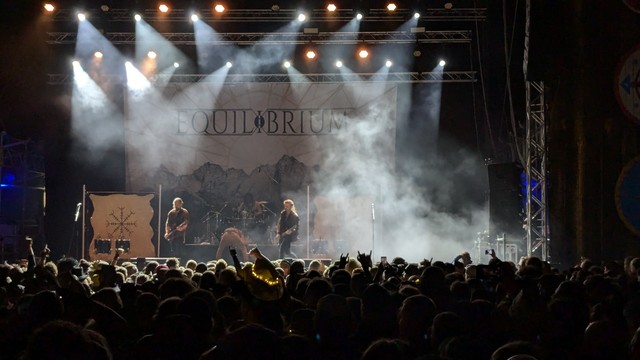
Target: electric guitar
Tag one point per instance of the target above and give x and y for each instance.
(175, 231)
(289, 231)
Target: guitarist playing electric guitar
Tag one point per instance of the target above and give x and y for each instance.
(287, 229)
(176, 227)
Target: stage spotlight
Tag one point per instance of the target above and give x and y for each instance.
(98, 55)
(194, 18)
(287, 64)
(311, 54)
(275, 7)
(152, 55)
(82, 17)
(361, 8)
(391, 7)
(448, 5)
(49, 7)
(417, 53)
(137, 17)
(442, 63)
(331, 7)
(418, 7)
(75, 63)
(163, 8)
(363, 53)
(302, 17)
(219, 8)
(128, 63)
(229, 64)
(388, 63)
(339, 63)
(105, 8)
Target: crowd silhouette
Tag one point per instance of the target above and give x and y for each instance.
(348, 309)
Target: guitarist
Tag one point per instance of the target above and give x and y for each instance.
(176, 227)
(287, 229)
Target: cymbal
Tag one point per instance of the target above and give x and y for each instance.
(262, 202)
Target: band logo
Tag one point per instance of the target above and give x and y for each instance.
(275, 122)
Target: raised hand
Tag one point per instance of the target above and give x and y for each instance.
(46, 251)
(365, 259)
(425, 262)
(343, 261)
(233, 251)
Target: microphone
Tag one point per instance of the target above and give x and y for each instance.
(78, 210)
(373, 212)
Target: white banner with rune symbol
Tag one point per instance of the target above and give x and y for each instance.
(121, 220)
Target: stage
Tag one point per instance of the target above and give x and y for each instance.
(207, 252)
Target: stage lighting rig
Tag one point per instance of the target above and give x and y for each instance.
(219, 8)
(361, 8)
(418, 8)
(311, 54)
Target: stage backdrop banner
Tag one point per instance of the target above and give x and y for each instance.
(122, 220)
(180, 127)
(225, 143)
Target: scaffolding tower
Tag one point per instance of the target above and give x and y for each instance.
(22, 186)
(536, 220)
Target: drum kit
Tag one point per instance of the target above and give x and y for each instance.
(256, 223)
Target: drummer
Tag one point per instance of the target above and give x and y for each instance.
(258, 209)
(244, 206)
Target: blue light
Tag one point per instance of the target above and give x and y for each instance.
(8, 178)
(536, 192)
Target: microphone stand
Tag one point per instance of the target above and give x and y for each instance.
(210, 234)
(373, 227)
(73, 228)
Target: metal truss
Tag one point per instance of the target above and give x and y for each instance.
(400, 77)
(268, 15)
(537, 219)
(262, 38)
(22, 156)
(537, 230)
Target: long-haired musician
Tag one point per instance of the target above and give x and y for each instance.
(287, 229)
